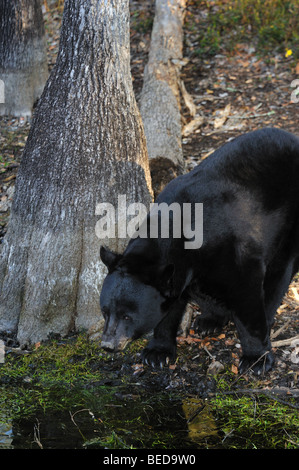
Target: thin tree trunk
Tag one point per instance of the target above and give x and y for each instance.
(86, 146)
(160, 97)
(23, 57)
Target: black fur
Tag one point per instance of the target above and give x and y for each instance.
(250, 194)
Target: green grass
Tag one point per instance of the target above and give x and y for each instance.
(269, 24)
(256, 422)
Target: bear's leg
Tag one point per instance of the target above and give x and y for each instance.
(256, 346)
(161, 349)
(250, 318)
(212, 319)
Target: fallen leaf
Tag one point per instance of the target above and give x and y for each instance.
(224, 113)
(295, 293)
(138, 369)
(188, 99)
(230, 342)
(204, 344)
(234, 369)
(192, 125)
(137, 366)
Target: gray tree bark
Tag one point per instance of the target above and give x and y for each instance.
(23, 57)
(86, 146)
(160, 97)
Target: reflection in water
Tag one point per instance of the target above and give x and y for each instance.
(201, 423)
(117, 421)
(5, 433)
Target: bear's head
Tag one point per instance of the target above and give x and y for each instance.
(133, 298)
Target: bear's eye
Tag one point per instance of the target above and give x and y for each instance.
(126, 317)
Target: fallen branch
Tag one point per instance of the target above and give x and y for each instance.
(284, 342)
(160, 97)
(274, 334)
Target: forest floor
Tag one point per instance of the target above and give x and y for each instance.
(234, 91)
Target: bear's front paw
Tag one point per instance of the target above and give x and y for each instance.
(258, 365)
(158, 355)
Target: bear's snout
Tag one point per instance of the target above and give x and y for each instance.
(108, 345)
(115, 344)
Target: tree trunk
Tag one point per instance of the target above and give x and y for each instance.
(160, 97)
(23, 57)
(86, 146)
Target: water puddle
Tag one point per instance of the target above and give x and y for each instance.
(115, 421)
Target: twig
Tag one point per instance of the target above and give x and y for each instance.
(293, 303)
(19, 351)
(284, 342)
(196, 413)
(36, 435)
(80, 411)
(206, 98)
(250, 367)
(208, 352)
(277, 332)
(227, 435)
(253, 116)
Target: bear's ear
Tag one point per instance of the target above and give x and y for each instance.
(109, 258)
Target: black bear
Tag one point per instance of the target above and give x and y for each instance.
(249, 252)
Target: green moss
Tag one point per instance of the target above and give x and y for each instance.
(53, 376)
(256, 422)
